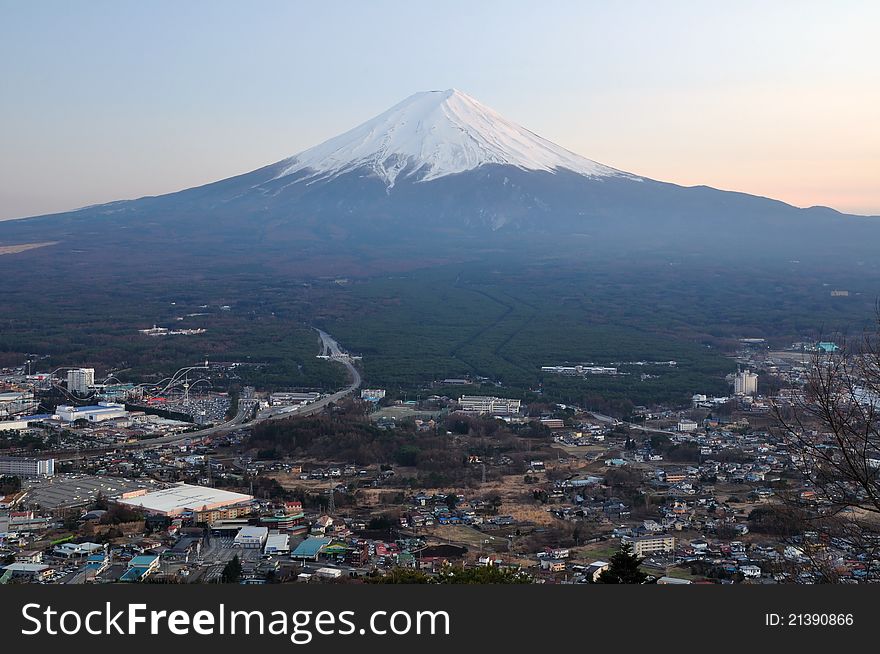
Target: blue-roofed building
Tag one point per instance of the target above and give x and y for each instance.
(141, 566)
(97, 562)
(828, 347)
(132, 575)
(310, 548)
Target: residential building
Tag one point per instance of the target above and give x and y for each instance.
(649, 545)
(750, 571)
(745, 383)
(80, 380)
(26, 466)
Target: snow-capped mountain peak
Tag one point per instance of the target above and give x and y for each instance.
(433, 134)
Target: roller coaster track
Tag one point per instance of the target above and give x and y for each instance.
(241, 419)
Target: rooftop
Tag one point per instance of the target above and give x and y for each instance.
(185, 497)
(250, 531)
(92, 408)
(310, 547)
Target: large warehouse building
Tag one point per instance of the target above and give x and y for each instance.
(94, 413)
(203, 503)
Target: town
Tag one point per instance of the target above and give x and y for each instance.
(103, 481)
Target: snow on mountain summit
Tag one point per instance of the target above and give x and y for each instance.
(433, 134)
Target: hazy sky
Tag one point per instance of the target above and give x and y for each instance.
(104, 100)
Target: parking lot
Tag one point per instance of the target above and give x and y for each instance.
(220, 549)
(76, 490)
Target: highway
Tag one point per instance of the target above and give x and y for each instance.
(603, 418)
(329, 348)
(315, 407)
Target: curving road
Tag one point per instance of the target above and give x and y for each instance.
(334, 353)
(329, 348)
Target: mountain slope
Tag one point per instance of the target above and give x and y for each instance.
(440, 172)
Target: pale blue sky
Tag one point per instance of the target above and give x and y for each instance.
(104, 100)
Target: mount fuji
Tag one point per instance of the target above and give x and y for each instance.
(434, 134)
(441, 172)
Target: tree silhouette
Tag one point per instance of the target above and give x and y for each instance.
(487, 574)
(400, 576)
(454, 575)
(834, 429)
(623, 568)
(232, 571)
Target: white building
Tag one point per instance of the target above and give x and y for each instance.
(80, 380)
(26, 467)
(329, 573)
(94, 413)
(647, 545)
(72, 550)
(687, 425)
(181, 499)
(277, 544)
(750, 571)
(250, 537)
(497, 406)
(745, 383)
(9, 425)
(372, 394)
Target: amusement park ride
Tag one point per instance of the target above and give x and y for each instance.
(178, 385)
